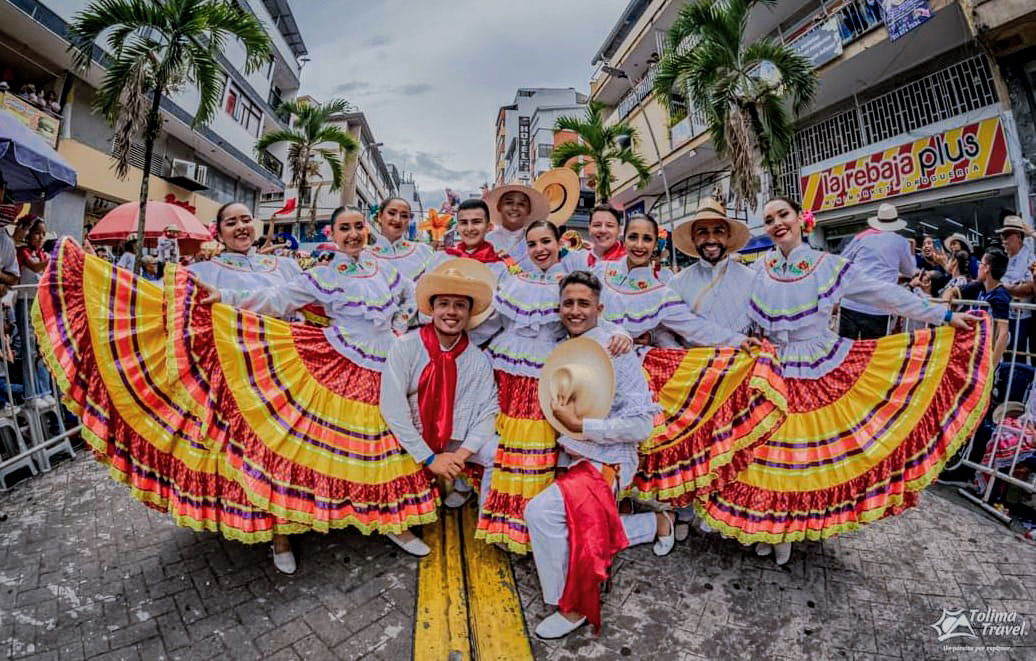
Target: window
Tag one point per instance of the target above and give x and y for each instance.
(545, 150)
(231, 106)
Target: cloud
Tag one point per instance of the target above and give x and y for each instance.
(378, 40)
(434, 169)
(364, 89)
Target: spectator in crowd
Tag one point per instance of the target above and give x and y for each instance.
(150, 268)
(957, 267)
(50, 102)
(883, 255)
(169, 245)
(988, 288)
(958, 242)
(931, 256)
(28, 92)
(128, 258)
(1017, 279)
(32, 260)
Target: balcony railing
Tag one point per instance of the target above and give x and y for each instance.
(960, 88)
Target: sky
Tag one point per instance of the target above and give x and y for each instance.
(431, 75)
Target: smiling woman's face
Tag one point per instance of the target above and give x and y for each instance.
(350, 233)
(237, 228)
(782, 225)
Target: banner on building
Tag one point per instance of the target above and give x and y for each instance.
(39, 121)
(975, 151)
(902, 16)
(821, 44)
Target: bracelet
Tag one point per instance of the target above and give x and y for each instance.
(429, 460)
(948, 316)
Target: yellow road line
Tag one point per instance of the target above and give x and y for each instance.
(441, 619)
(494, 608)
(467, 603)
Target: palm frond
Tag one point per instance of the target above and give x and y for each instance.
(281, 135)
(226, 19)
(88, 25)
(334, 161)
(335, 135)
(566, 151)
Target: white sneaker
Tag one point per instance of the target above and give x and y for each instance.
(410, 543)
(663, 545)
(284, 561)
(782, 552)
(457, 499)
(557, 626)
(763, 549)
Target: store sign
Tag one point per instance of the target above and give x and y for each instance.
(523, 144)
(975, 151)
(821, 44)
(902, 16)
(28, 114)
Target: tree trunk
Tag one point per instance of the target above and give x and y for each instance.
(154, 120)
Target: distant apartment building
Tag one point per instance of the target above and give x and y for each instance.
(936, 116)
(525, 131)
(202, 168)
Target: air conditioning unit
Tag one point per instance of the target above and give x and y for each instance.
(182, 169)
(189, 175)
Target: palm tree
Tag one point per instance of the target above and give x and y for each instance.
(742, 89)
(157, 48)
(308, 139)
(600, 144)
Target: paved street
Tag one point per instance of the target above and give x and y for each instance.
(86, 572)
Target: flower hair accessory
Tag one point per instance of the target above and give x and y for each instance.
(809, 221)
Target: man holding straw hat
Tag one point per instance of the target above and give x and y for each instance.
(438, 394)
(603, 410)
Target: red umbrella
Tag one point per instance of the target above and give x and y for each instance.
(121, 221)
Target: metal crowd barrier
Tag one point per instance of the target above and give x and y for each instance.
(33, 431)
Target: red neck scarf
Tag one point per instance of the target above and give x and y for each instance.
(595, 535)
(437, 389)
(483, 252)
(615, 252)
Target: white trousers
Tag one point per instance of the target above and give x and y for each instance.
(548, 531)
(484, 458)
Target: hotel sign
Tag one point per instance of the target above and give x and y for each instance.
(972, 152)
(523, 144)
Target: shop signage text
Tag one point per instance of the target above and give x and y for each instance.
(975, 151)
(39, 121)
(523, 144)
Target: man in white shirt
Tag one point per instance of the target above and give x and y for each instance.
(717, 287)
(883, 255)
(512, 208)
(1017, 281)
(594, 449)
(438, 394)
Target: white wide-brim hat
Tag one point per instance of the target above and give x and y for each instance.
(459, 277)
(540, 208)
(1015, 224)
(887, 219)
(582, 369)
(710, 209)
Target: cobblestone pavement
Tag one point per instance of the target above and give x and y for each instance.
(87, 572)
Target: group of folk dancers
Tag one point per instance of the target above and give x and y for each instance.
(551, 382)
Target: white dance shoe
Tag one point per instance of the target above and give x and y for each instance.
(663, 545)
(410, 543)
(557, 626)
(284, 561)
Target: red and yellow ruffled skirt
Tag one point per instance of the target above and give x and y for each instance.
(860, 443)
(718, 405)
(229, 421)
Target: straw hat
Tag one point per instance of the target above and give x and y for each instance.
(579, 367)
(710, 209)
(561, 188)
(457, 278)
(957, 236)
(540, 206)
(1015, 224)
(887, 219)
(1012, 409)
(171, 228)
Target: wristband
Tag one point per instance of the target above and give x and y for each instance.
(429, 460)
(948, 316)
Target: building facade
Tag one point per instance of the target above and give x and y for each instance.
(201, 169)
(915, 113)
(525, 131)
(367, 181)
